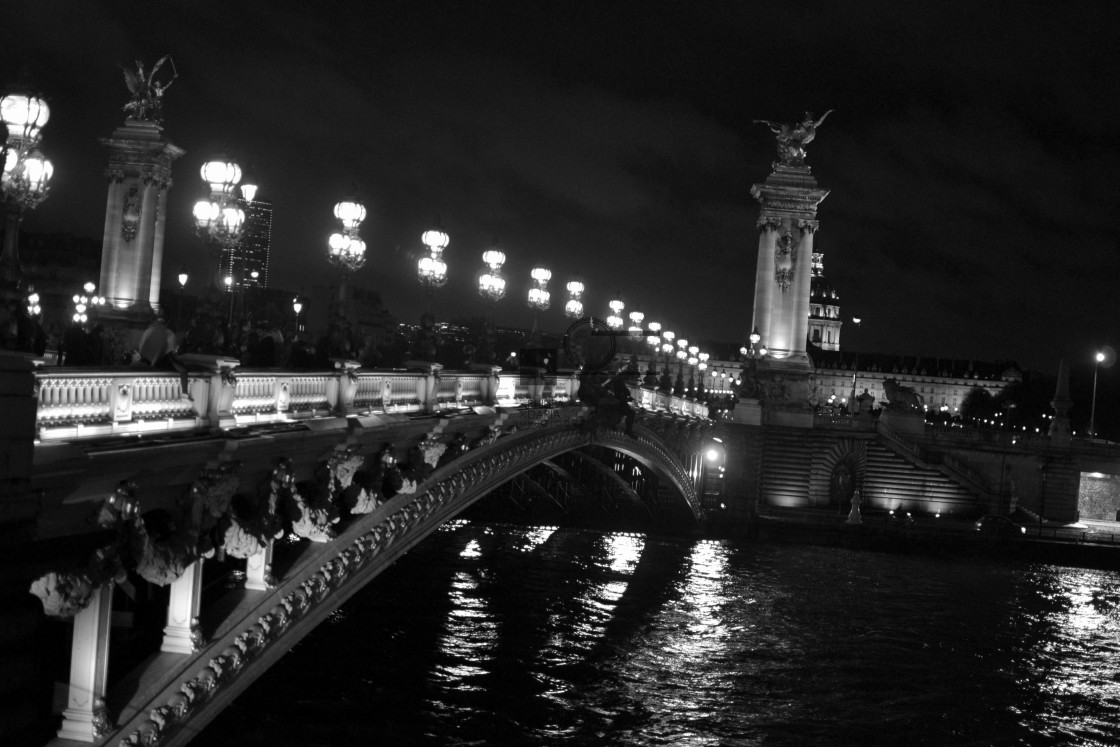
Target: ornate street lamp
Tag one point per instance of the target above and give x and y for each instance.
(85, 303)
(183, 277)
(347, 251)
(573, 309)
(539, 299)
(297, 307)
(653, 342)
(614, 321)
(492, 287)
(26, 175)
(33, 307)
(220, 219)
(491, 284)
(1098, 359)
(636, 318)
(432, 273)
(432, 270)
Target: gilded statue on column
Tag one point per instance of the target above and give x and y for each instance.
(147, 92)
(793, 138)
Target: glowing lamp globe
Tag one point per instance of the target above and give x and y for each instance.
(231, 218)
(617, 306)
(221, 174)
(541, 275)
(494, 258)
(350, 212)
(573, 309)
(205, 213)
(24, 114)
(355, 248)
(37, 171)
(248, 192)
(575, 287)
(436, 240)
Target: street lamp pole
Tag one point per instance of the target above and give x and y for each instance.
(432, 273)
(539, 299)
(183, 277)
(492, 287)
(347, 250)
(1099, 358)
(25, 179)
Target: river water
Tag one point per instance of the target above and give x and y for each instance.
(504, 635)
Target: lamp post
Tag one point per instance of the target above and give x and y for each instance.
(614, 321)
(666, 382)
(183, 277)
(432, 274)
(492, 287)
(219, 219)
(297, 307)
(573, 309)
(347, 250)
(26, 175)
(539, 298)
(85, 303)
(432, 270)
(1099, 358)
(702, 367)
(653, 341)
(753, 353)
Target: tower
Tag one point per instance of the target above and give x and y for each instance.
(247, 259)
(786, 226)
(139, 175)
(824, 309)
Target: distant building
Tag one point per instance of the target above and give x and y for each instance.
(251, 252)
(824, 309)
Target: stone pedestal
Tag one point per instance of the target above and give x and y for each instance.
(904, 422)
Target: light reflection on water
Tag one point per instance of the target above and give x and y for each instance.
(505, 635)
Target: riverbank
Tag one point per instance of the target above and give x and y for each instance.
(1062, 545)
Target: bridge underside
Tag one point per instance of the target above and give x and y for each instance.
(169, 697)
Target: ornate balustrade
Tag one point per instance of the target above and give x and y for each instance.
(215, 393)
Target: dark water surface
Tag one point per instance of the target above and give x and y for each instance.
(494, 634)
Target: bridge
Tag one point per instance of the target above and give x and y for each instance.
(233, 510)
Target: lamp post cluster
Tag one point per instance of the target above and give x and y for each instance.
(432, 270)
(85, 303)
(220, 219)
(347, 250)
(491, 284)
(573, 309)
(26, 175)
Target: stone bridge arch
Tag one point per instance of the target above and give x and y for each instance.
(193, 687)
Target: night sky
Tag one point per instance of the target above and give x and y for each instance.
(972, 153)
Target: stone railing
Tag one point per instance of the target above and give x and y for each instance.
(215, 392)
(652, 399)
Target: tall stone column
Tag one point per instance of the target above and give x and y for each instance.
(789, 199)
(139, 175)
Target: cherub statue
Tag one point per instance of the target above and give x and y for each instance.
(147, 92)
(792, 139)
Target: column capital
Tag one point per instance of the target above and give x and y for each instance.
(809, 226)
(768, 222)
